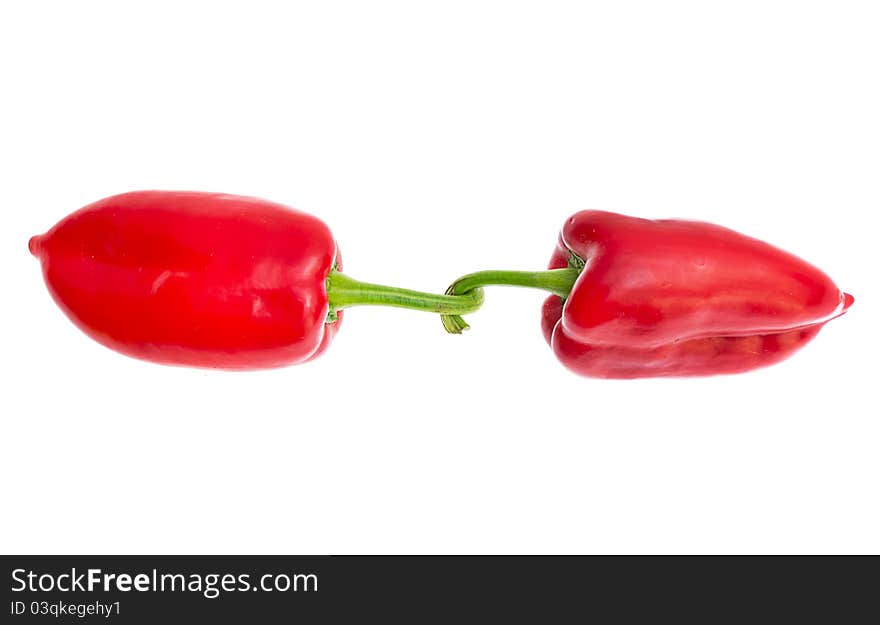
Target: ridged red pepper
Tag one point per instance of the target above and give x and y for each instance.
(207, 279)
(640, 298)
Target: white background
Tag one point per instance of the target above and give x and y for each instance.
(437, 139)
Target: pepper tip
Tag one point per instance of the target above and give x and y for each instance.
(34, 244)
(848, 300)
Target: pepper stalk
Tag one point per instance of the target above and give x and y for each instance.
(463, 296)
(556, 281)
(344, 291)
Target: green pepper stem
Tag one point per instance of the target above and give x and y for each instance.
(557, 281)
(344, 292)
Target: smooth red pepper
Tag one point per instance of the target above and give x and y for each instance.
(208, 280)
(641, 298)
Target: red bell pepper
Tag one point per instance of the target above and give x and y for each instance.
(208, 280)
(640, 298)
